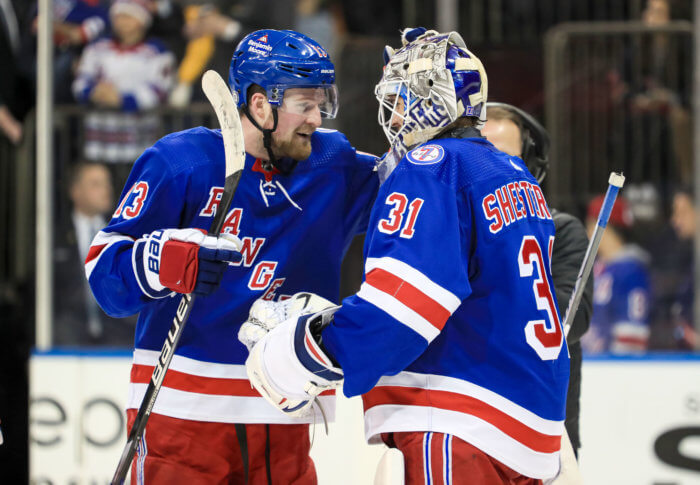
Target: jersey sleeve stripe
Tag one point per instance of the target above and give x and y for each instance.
(409, 295)
(393, 395)
(415, 278)
(102, 242)
(398, 311)
(94, 252)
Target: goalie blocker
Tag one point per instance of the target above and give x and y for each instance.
(292, 358)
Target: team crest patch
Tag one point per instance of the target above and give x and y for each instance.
(426, 155)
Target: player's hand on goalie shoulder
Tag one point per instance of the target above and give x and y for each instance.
(183, 260)
(288, 365)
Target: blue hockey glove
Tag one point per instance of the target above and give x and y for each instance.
(183, 260)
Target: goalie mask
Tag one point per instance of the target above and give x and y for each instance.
(427, 84)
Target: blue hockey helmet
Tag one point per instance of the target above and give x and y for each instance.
(278, 60)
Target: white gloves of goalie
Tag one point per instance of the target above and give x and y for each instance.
(286, 364)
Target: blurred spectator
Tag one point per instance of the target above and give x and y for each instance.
(654, 85)
(684, 222)
(212, 32)
(15, 93)
(620, 322)
(75, 24)
(323, 21)
(123, 75)
(78, 320)
(167, 25)
(202, 24)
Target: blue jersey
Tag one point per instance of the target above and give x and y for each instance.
(455, 328)
(295, 230)
(620, 321)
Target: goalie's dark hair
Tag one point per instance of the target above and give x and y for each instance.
(534, 138)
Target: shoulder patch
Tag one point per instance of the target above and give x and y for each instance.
(426, 155)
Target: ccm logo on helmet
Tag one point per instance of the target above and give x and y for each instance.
(426, 155)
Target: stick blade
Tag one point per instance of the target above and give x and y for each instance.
(219, 95)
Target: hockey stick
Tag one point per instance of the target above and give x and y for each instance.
(615, 183)
(569, 473)
(221, 100)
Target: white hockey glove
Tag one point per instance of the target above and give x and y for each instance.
(289, 367)
(182, 260)
(265, 315)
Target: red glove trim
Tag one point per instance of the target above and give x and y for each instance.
(179, 265)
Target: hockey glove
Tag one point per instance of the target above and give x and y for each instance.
(265, 315)
(182, 260)
(289, 367)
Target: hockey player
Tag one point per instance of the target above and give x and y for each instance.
(454, 338)
(208, 424)
(620, 323)
(515, 132)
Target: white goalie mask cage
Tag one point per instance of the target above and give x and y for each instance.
(426, 85)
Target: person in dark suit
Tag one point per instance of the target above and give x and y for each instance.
(78, 320)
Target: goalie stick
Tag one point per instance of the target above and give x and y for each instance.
(569, 473)
(615, 183)
(217, 91)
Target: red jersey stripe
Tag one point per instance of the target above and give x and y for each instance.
(219, 386)
(94, 252)
(411, 396)
(410, 296)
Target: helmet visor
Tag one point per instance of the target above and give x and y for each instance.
(309, 101)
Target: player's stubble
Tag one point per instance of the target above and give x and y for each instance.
(294, 145)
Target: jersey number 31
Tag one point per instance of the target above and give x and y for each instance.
(396, 215)
(545, 337)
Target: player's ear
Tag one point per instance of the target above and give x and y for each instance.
(260, 109)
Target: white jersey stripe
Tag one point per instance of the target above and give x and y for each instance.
(417, 279)
(192, 366)
(447, 459)
(398, 311)
(221, 409)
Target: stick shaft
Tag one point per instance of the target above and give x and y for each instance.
(614, 185)
(220, 97)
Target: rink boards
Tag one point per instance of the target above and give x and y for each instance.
(640, 422)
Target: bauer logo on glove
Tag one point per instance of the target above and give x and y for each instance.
(183, 261)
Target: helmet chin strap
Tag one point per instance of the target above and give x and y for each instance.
(268, 165)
